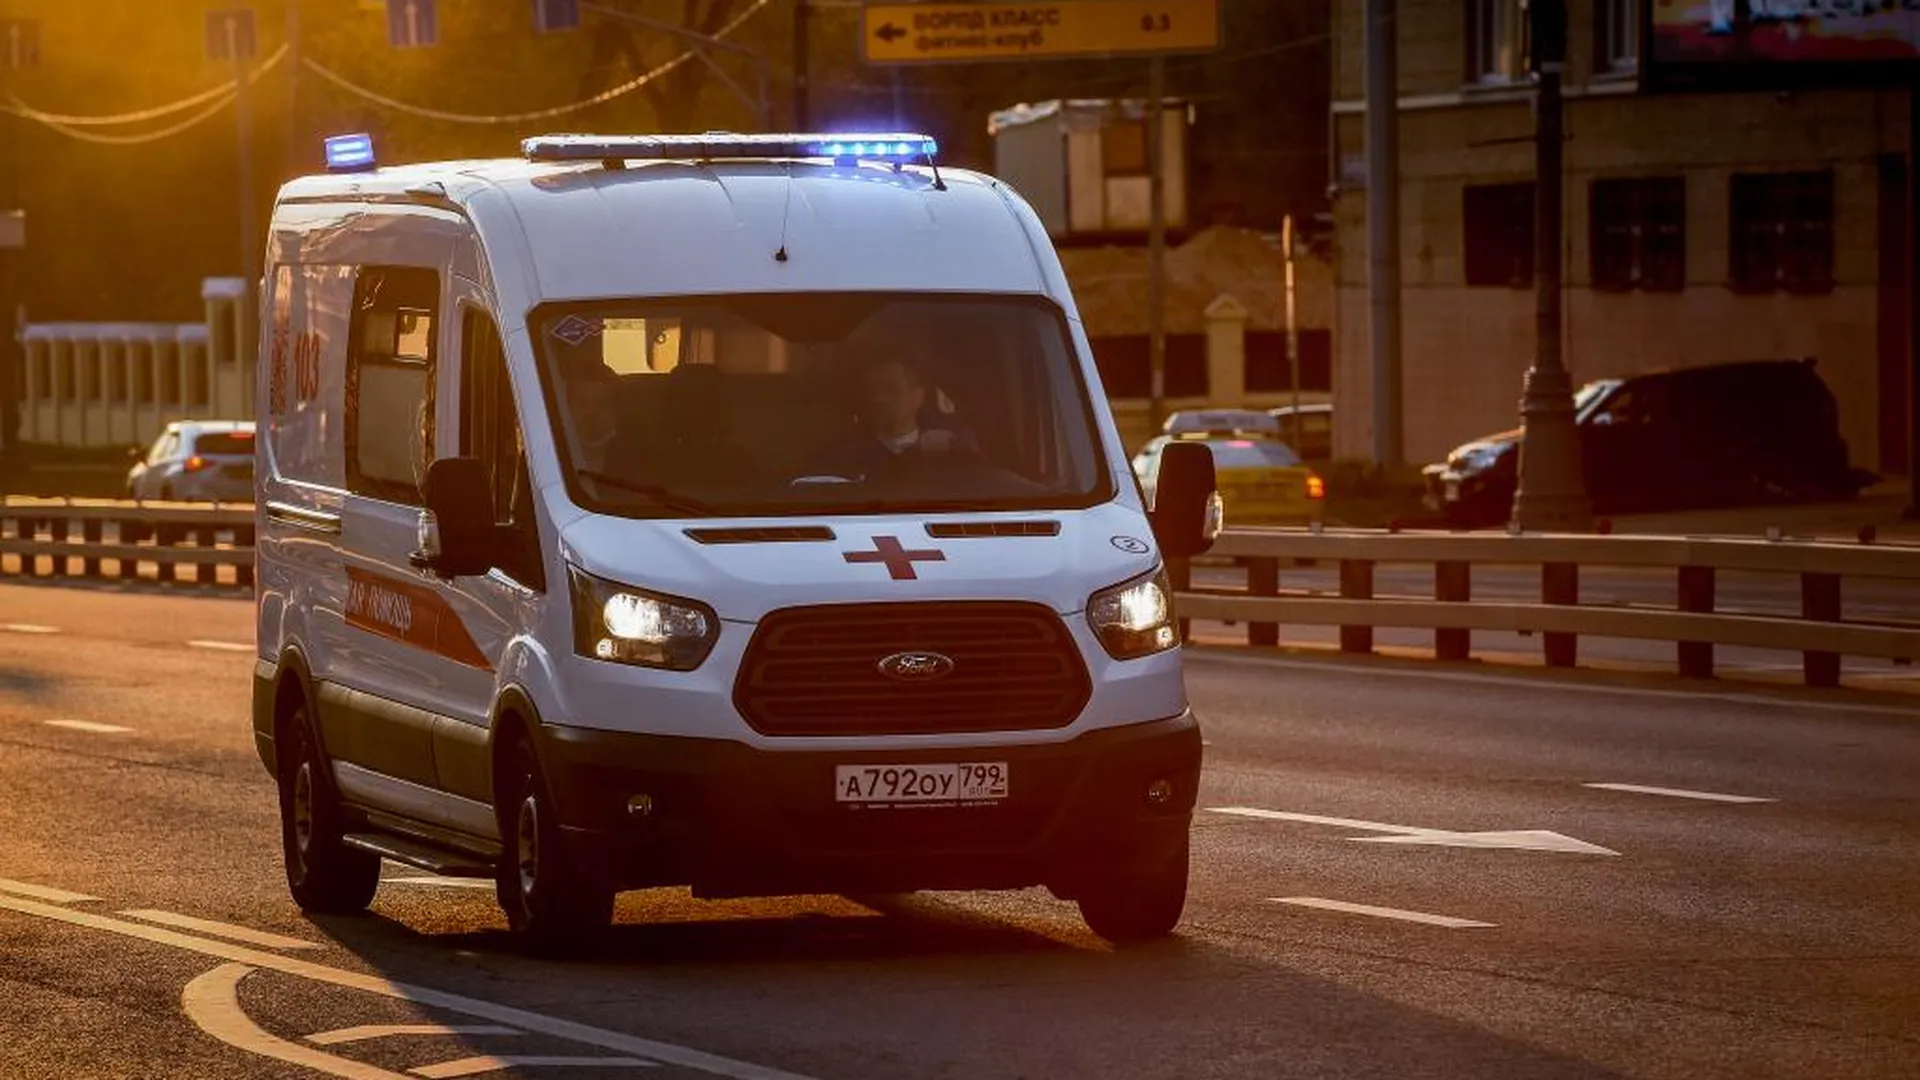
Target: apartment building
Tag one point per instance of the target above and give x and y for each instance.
(1714, 211)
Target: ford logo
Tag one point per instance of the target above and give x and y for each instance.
(916, 666)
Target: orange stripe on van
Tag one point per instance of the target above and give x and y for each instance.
(408, 612)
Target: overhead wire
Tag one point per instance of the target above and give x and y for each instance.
(20, 108)
(601, 98)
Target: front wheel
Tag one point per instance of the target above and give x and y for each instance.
(1137, 908)
(553, 903)
(323, 873)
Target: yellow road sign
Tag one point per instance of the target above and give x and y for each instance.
(935, 33)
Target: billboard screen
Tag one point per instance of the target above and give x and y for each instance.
(1782, 40)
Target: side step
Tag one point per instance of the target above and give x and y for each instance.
(434, 860)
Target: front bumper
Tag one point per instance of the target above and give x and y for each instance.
(732, 820)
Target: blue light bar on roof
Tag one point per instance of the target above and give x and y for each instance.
(350, 153)
(898, 147)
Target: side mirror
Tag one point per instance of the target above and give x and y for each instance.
(1186, 506)
(457, 527)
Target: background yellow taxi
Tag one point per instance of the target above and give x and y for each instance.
(1262, 480)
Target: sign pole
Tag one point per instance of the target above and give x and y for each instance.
(1293, 329)
(1156, 244)
(244, 120)
(802, 119)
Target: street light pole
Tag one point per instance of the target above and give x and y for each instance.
(1383, 226)
(1552, 492)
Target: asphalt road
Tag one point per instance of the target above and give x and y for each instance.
(1538, 926)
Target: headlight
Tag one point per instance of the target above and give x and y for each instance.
(626, 625)
(1134, 619)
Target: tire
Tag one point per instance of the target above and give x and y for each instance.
(553, 904)
(1139, 908)
(323, 874)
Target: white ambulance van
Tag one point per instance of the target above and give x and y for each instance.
(733, 512)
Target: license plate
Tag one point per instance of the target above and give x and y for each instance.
(974, 781)
(1453, 491)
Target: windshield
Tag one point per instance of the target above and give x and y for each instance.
(819, 403)
(1252, 454)
(1586, 396)
(224, 442)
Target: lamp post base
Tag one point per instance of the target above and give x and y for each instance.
(1552, 493)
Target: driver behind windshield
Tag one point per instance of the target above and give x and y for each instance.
(897, 426)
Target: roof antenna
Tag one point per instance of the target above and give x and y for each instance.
(786, 212)
(938, 184)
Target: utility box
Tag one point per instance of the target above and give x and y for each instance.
(1083, 165)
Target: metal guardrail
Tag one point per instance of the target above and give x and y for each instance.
(107, 540)
(1819, 634)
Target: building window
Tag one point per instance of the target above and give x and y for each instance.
(1123, 148)
(1782, 232)
(1616, 37)
(390, 366)
(1496, 41)
(1497, 247)
(1638, 234)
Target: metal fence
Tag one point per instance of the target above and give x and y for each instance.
(102, 540)
(1818, 632)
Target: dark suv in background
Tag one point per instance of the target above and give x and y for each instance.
(1722, 435)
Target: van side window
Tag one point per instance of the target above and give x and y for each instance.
(390, 368)
(490, 431)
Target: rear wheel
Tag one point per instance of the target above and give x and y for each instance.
(553, 903)
(1137, 908)
(323, 873)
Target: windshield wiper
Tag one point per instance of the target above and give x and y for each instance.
(665, 496)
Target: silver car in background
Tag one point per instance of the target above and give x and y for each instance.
(197, 461)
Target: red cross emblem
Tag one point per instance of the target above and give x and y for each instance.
(898, 560)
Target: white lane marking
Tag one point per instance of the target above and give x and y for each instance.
(212, 1001)
(223, 646)
(220, 929)
(1679, 793)
(42, 892)
(88, 725)
(443, 882)
(1513, 839)
(1214, 655)
(474, 1066)
(28, 628)
(524, 1019)
(382, 1031)
(1401, 914)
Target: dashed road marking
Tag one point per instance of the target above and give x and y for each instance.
(212, 995)
(1679, 793)
(220, 929)
(1447, 921)
(382, 1031)
(474, 1066)
(222, 646)
(88, 725)
(42, 892)
(28, 628)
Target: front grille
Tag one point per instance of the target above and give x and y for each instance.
(964, 529)
(816, 670)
